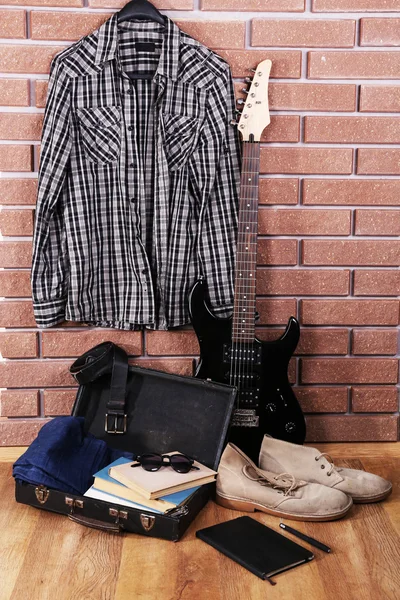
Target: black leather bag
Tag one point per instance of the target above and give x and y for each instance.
(139, 410)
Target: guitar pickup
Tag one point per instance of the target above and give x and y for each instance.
(243, 353)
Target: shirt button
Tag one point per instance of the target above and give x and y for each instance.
(129, 91)
(132, 164)
(143, 271)
(132, 199)
(130, 127)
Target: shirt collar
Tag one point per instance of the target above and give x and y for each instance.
(168, 64)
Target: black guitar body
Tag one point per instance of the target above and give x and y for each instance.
(266, 402)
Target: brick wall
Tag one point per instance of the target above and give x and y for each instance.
(329, 250)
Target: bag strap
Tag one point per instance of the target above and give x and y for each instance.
(100, 360)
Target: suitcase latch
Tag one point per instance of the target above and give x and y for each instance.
(42, 493)
(147, 522)
(114, 417)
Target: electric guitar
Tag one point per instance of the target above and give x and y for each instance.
(229, 351)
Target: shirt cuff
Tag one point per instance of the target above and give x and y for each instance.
(49, 313)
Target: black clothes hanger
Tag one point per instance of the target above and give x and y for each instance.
(140, 9)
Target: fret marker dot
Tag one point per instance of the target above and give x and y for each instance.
(244, 296)
(251, 275)
(246, 227)
(249, 178)
(248, 205)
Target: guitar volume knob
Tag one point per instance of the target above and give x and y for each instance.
(271, 407)
(290, 427)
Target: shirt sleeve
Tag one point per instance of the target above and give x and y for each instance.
(218, 219)
(49, 273)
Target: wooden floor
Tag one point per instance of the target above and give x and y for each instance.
(47, 556)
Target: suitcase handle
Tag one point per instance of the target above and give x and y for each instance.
(96, 524)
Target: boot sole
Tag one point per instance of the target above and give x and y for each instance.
(246, 506)
(371, 499)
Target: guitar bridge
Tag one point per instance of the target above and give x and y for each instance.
(244, 417)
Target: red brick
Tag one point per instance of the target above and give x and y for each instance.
(160, 4)
(69, 3)
(179, 366)
(276, 252)
(13, 24)
(275, 312)
(313, 341)
(19, 403)
(374, 399)
(20, 126)
(35, 373)
(18, 345)
(351, 428)
(308, 33)
(20, 432)
(378, 161)
(377, 222)
(285, 63)
(18, 191)
(215, 34)
(279, 191)
(16, 314)
(283, 221)
(312, 96)
(74, 343)
(172, 343)
(16, 222)
(254, 5)
(380, 98)
(374, 341)
(283, 128)
(303, 282)
(15, 157)
(354, 5)
(349, 370)
(349, 312)
(24, 58)
(14, 92)
(322, 399)
(58, 402)
(351, 191)
(380, 32)
(15, 284)
(41, 87)
(351, 252)
(357, 130)
(306, 160)
(46, 25)
(354, 64)
(376, 283)
(15, 254)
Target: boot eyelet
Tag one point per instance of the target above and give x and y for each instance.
(322, 466)
(316, 459)
(329, 474)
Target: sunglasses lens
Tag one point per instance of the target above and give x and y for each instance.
(151, 462)
(182, 464)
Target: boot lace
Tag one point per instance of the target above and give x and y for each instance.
(329, 459)
(285, 482)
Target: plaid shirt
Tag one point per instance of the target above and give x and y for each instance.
(138, 180)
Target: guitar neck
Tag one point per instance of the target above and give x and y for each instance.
(243, 325)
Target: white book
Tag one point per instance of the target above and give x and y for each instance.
(92, 492)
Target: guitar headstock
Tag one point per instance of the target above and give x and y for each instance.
(255, 114)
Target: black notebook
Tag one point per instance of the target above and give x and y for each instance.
(255, 546)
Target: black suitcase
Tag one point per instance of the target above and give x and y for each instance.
(138, 409)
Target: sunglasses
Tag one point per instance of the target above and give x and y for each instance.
(153, 462)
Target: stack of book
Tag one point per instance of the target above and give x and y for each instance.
(159, 492)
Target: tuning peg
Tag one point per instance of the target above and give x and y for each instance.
(248, 79)
(245, 90)
(253, 70)
(238, 112)
(233, 122)
(240, 101)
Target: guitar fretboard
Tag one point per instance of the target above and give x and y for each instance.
(243, 328)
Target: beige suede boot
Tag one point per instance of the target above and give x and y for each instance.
(316, 467)
(241, 485)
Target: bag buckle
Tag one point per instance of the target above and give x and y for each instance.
(115, 429)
